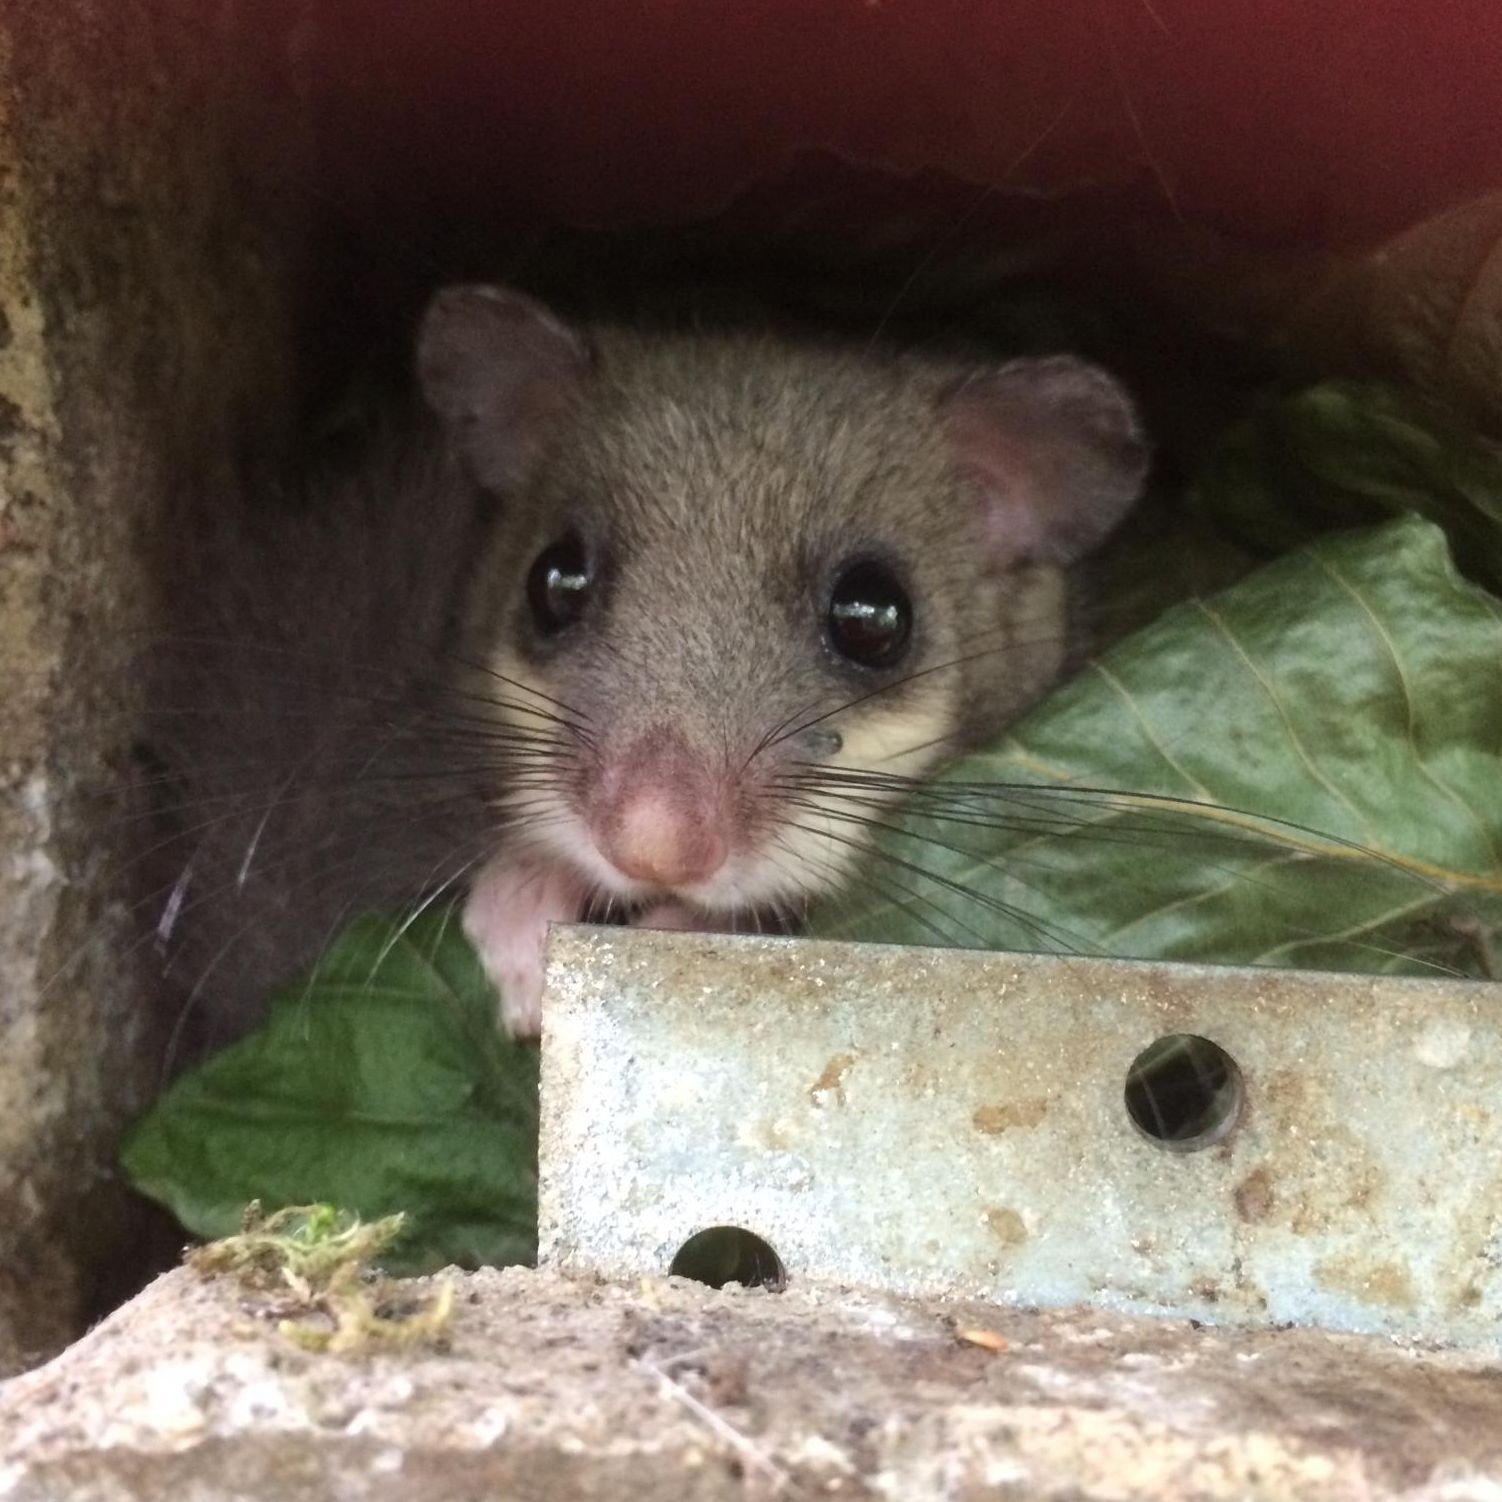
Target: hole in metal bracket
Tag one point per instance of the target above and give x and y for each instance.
(1184, 1092)
(719, 1255)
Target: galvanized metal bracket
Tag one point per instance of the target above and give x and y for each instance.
(943, 1122)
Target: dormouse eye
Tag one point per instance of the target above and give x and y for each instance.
(870, 616)
(558, 584)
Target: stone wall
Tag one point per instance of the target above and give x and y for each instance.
(150, 235)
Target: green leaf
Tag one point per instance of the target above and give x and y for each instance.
(382, 1085)
(1323, 743)
(1347, 453)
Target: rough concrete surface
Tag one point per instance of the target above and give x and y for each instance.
(550, 1389)
(144, 312)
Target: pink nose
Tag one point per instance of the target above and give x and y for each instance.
(662, 810)
(654, 837)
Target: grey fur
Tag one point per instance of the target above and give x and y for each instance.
(727, 477)
(335, 658)
(313, 647)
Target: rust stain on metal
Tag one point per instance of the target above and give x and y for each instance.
(1253, 1196)
(831, 1080)
(982, 1143)
(995, 1119)
(1008, 1226)
(1369, 1279)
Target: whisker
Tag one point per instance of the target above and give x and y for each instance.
(987, 903)
(858, 877)
(418, 909)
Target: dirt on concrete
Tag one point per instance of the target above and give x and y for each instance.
(544, 1388)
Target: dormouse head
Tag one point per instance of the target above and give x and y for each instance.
(752, 586)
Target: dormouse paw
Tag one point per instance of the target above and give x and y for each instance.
(510, 904)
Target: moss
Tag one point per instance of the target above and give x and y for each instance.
(321, 1257)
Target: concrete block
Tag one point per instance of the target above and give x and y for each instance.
(667, 1392)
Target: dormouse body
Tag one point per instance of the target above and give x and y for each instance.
(696, 605)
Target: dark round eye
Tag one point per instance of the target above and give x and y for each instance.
(558, 584)
(870, 616)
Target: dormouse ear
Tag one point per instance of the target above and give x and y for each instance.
(500, 371)
(1055, 454)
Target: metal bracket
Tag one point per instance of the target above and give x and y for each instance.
(943, 1122)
